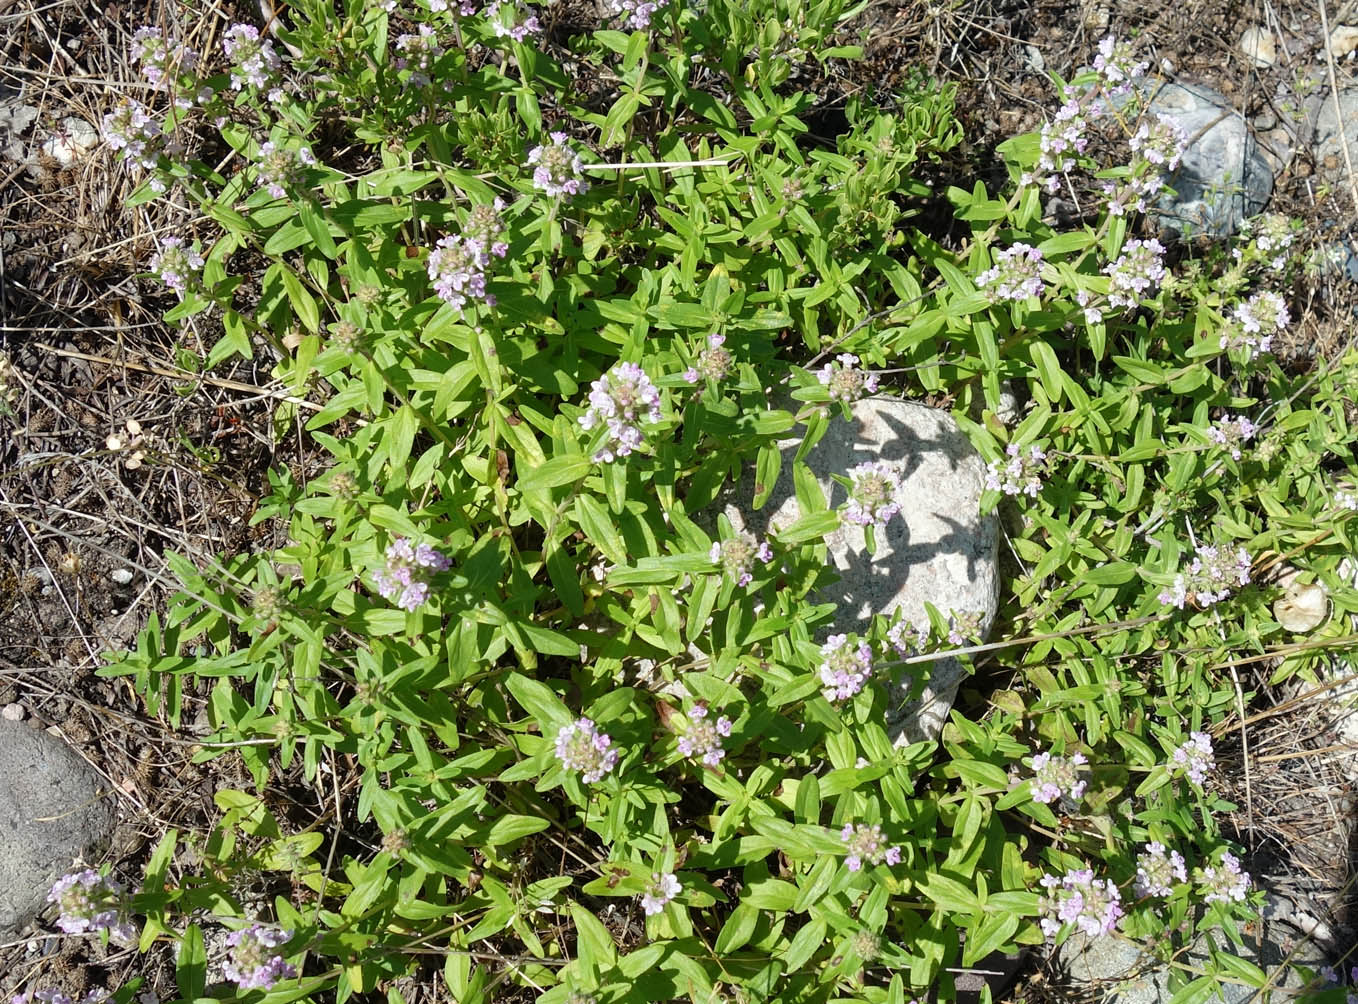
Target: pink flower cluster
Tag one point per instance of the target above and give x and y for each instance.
(280, 167)
(703, 738)
(1091, 904)
(253, 963)
(845, 380)
(161, 62)
(1061, 140)
(580, 746)
(1156, 871)
(1195, 757)
(738, 554)
(175, 264)
(845, 667)
(1117, 66)
(660, 890)
(405, 578)
(89, 902)
(1225, 884)
(418, 54)
(866, 845)
(1232, 433)
(619, 401)
(1136, 270)
(557, 169)
(1255, 322)
(1021, 473)
(713, 362)
(253, 60)
(512, 19)
(874, 490)
(1057, 777)
(1214, 573)
(634, 14)
(459, 265)
(131, 129)
(1016, 274)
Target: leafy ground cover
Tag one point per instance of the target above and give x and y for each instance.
(487, 713)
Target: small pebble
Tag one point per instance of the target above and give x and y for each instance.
(1343, 40)
(1259, 45)
(122, 576)
(12, 713)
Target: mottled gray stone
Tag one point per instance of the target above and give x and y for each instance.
(1128, 975)
(15, 118)
(940, 550)
(1224, 177)
(1323, 118)
(52, 811)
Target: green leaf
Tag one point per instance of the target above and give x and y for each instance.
(1047, 367)
(540, 702)
(949, 893)
(594, 944)
(555, 472)
(510, 828)
(303, 303)
(995, 931)
(190, 967)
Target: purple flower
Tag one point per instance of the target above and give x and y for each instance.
(1057, 776)
(845, 667)
(582, 747)
(1022, 472)
(866, 845)
(1061, 140)
(1212, 576)
(252, 963)
(1092, 905)
(660, 890)
(1016, 275)
(418, 54)
(703, 738)
(457, 268)
(176, 265)
(484, 230)
(907, 638)
(737, 556)
(1226, 884)
(1256, 321)
(1195, 757)
(635, 14)
(1156, 871)
(845, 380)
(1160, 142)
(1137, 269)
(619, 401)
(557, 169)
(511, 19)
(1232, 432)
(160, 61)
(713, 362)
(1346, 500)
(89, 902)
(253, 61)
(405, 577)
(131, 129)
(281, 167)
(1117, 66)
(874, 488)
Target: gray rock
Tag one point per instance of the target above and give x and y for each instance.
(941, 550)
(1128, 975)
(1224, 177)
(15, 118)
(52, 811)
(1323, 118)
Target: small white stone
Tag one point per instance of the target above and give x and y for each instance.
(12, 713)
(1259, 45)
(1343, 40)
(77, 137)
(122, 576)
